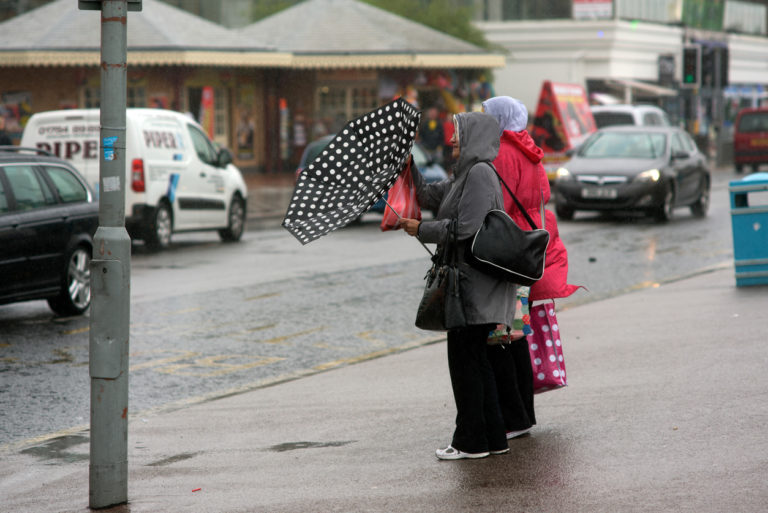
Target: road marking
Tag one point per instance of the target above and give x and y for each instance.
(284, 338)
(183, 369)
(248, 331)
(162, 361)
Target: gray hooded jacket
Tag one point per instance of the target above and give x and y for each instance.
(468, 196)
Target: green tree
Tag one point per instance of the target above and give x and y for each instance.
(452, 17)
(264, 8)
(449, 16)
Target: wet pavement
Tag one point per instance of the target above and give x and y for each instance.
(666, 411)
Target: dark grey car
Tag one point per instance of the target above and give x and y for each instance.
(48, 217)
(631, 168)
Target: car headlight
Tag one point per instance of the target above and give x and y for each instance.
(652, 175)
(563, 174)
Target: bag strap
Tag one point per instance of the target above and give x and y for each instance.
(520, 205)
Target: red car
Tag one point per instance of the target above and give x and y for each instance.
(750, 138)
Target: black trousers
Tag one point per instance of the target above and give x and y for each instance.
(514, 383)
(479, 425)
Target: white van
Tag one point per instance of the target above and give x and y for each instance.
(641, 115)
(176, 178)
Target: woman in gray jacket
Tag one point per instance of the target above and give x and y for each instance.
(467, 197)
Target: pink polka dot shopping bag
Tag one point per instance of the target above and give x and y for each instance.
(546, 349)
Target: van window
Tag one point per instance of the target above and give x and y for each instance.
(652, 119)
(27, 188)
(613, 118)
(203, 146)
(67, 185)
(753, 122)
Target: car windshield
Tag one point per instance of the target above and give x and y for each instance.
(754, 122)
(625, 145)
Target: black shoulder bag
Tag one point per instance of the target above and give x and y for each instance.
(441, 308)
(505, 251)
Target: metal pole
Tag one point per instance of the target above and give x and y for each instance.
(110, 277)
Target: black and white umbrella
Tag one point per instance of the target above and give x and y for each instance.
(353, 172)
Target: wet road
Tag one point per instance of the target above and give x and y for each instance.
(209, 319)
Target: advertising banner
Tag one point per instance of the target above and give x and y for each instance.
(562, 121)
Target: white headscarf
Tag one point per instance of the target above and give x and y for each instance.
(509, 112)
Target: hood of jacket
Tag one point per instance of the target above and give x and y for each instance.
(478, 139)
(524, 142)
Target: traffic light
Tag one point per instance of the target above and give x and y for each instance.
(711, 75)
(691, 66)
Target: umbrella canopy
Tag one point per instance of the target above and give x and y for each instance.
(353, 172)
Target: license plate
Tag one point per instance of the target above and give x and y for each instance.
(759, 142)
(599, 192)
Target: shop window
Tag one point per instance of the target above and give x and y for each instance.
(220, 112)
(337, 104)
(91, 97)
(136, 97)
(490, 10)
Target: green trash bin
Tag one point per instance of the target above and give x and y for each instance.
(749, 221)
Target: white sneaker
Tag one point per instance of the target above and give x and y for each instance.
(450, 453)
(515, 434)
(500, 451)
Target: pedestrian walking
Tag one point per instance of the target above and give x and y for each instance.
(465, 199)
(5, 139)
(431, 135)
(519, 164)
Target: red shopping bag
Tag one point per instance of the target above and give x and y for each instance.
(402, 198)
(546, 349)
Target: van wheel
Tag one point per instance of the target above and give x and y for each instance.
(159, 232)
(236, 221)
(75, 295)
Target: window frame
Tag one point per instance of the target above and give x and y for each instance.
(52, 183)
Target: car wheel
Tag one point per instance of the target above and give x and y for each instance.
(159, 232)
(699, 209)
(563, 212)
(75, 296)
(739, 168)
(236, 221)
(663, 212)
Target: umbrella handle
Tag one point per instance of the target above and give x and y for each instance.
(400, 217)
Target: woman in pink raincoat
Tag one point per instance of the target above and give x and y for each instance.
(519, 164)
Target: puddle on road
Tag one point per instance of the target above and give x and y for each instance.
(292, 446)
(56, 449)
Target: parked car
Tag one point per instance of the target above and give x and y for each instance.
(48, 217)
(648, 169)
(750, 138)
(177, 179)
(640, 115)
(430, 170)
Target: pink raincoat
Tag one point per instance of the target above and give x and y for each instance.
(519, 164)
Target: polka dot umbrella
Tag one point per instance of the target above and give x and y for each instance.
(353, 172)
